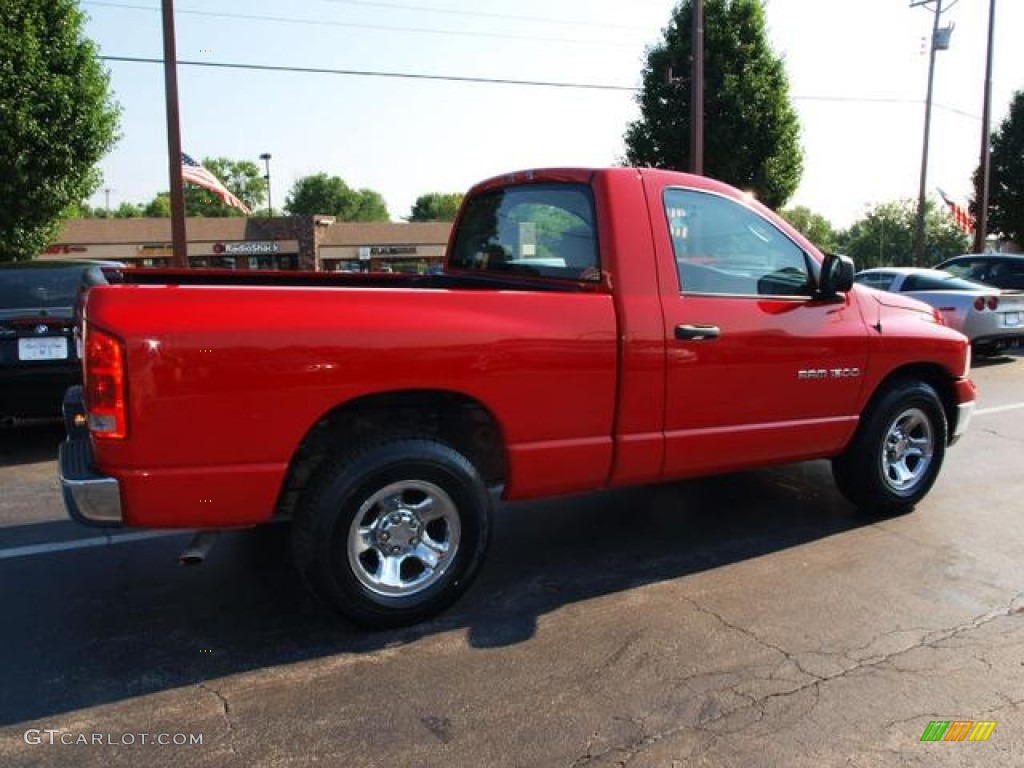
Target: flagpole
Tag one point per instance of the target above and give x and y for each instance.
(179, 244)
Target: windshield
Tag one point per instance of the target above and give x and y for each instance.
(35, 287)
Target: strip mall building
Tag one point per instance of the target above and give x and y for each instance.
(288, 242)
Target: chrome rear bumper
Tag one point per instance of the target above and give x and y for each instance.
(90, 498)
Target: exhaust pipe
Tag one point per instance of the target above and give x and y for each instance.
(197, 550)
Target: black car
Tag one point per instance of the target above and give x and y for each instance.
(38, 355)
(1002, 270)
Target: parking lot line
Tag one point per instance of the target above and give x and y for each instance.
(96, 541)
(998, 409)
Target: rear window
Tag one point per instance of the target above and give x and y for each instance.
(940, 282)
(541, 230)
(879, 280)
(39, 287)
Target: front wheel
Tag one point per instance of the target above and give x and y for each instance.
(896, 454)
(393, 533)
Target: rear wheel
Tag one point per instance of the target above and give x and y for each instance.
(897, 452)
(393, 533)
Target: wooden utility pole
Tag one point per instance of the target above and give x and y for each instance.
(697, 91)
(985, 164)
(918, 258)
(178, 242)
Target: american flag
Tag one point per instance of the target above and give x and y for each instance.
(960, 215)
(194, 173)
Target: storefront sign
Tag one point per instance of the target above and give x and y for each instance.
(244, 248)
(392, 250)
(155, 250)
(65, 249)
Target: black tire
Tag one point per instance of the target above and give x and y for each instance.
(897, 451)
(393, 533)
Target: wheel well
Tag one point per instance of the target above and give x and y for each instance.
(455, 419)
(934, 375)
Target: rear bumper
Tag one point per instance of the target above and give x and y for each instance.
(966, 395)
(90, 498)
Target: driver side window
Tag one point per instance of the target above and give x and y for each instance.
(723, 248)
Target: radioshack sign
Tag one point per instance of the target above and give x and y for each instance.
(253, 248)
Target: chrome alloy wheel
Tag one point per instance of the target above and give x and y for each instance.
(908, 450)
(404, 538)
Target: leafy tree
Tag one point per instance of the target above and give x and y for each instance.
(436, 206)
(331, 196)
(752, 131)
(242, 177)
(85, 211)
(885, 236)
(57, 120)
(159, 207)
(128, 211)
(813, 226)
(1006, 175)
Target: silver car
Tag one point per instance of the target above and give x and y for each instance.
(991, 318)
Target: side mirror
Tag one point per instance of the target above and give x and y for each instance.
(836, 276)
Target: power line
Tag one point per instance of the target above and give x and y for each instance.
(372, 73)
(353, 25)
(495, 80)
(884, 100)
(485, 15)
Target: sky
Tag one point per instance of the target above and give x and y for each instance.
(857, 72)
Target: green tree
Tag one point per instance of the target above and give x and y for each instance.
(57, 121)
(1006, 175)
(436, 206)
(813, 226)
(159, 207)
(242, 177)
(128, 211)
(885, 236)
(85, 211)
(752, 136)
(331, 196)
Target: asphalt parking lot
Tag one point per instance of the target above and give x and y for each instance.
(745, 620)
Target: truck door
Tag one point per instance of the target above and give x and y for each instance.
(758, 370)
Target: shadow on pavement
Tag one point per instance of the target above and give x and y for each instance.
(93, 626)
(30, 442)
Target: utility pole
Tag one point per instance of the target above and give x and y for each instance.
(106, 201)
(985, 164)
(178, 243)
(918, 257)
(697, 91)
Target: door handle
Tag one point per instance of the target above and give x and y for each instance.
(697, 332)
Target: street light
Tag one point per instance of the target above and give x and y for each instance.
(265, 157)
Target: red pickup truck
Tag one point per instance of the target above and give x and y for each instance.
(591, 329)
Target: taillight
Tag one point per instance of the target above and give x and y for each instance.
(992, 303)
(104, 385)
(979, 303)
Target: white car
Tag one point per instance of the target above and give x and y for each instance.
(991, 318)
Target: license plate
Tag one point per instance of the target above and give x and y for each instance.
(54, 348)
(1012, 318)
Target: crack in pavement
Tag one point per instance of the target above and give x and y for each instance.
(225, 711)
(929, 639)
(997, 433)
